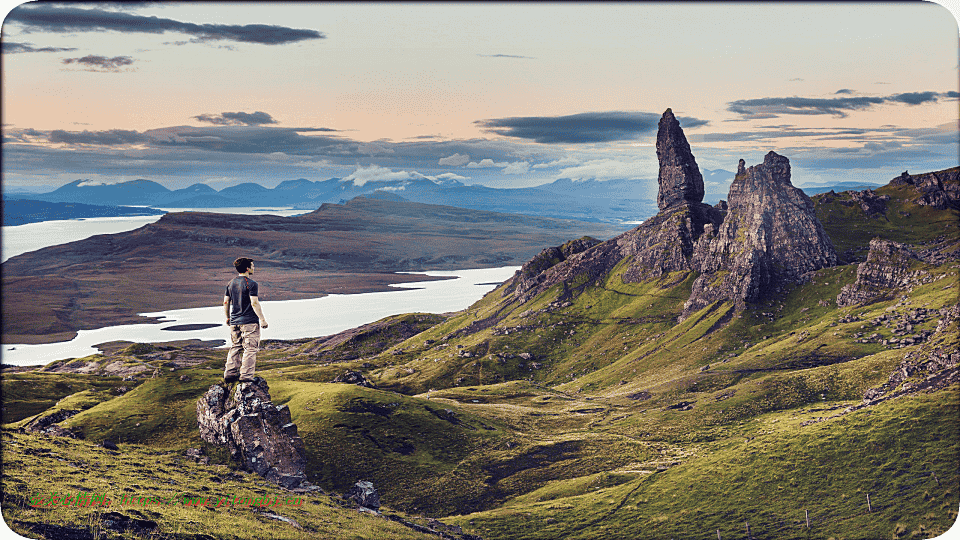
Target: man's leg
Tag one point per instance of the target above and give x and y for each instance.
(251, 344)
(231, 372)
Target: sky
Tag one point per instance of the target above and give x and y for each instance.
(502, 95)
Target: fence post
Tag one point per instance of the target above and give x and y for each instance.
(750, 536)
(718, 535)
(935, 477)
(869, 506)
(806, 515)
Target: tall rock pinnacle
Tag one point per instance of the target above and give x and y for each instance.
(680, 179)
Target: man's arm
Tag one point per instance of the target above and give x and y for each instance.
(255, 304)
(226, 308)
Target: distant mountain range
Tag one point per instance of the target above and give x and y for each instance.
(609, 201)
(612, 202)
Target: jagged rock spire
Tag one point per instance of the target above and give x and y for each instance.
(769, 237)
(680, 179)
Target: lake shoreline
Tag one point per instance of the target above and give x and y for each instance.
(434, 292)
(376, 284)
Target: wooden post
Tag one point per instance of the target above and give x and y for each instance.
(748, 530)
(935, 477)
(718, 535)
(806, 514)
(869, 506)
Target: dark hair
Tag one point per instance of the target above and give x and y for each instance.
(242, 264)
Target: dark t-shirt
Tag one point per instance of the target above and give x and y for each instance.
(240, 289)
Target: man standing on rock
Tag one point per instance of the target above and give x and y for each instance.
(241, 304)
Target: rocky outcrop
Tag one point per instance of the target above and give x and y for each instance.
(871, 203)
(258, 433)
(365, 495)
(50, 424)
(939, 189)
(770, 236)
(679, 179)
(886, 269)
(353, 377)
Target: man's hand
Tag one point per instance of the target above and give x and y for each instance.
(263, 324)
(228, 322)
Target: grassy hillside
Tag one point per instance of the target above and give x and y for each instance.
(588, 411)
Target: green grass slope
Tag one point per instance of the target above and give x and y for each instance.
(590, 412)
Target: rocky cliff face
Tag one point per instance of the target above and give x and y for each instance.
(769, 236)
(886, 269)
(258, 433)
(680, 179)
(939, 189)
(662, 244)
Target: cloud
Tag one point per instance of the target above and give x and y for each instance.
(448, 178)
(844, 91)
(580, 128)
(373, 149)
(237, 118)
(506, 56)
(520, 167)
(15, 48)
(607, 169)
(774, 107)
(100, 63)
(562, 162)
(456, 160)
(953, 95)
(110, 138)
(54, 18)
(916, 98)
(485, 163)
(375, 172)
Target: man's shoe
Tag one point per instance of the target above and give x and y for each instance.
(247, 380)
(230, 379)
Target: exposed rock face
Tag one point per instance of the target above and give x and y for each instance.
(886, 269)
(258, 433)
(680, 179)
(769, 236)
(531, 277)
(939, 189)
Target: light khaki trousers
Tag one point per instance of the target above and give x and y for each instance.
(242, 357)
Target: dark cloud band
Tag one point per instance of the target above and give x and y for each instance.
(111, 137)
(100, 62)
(16, 48)
(54, 18)
(237, 118)
(505, 56)
(580, 128)
(774, 107)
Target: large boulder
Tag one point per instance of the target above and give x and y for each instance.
(258, 433)
(770, 236)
